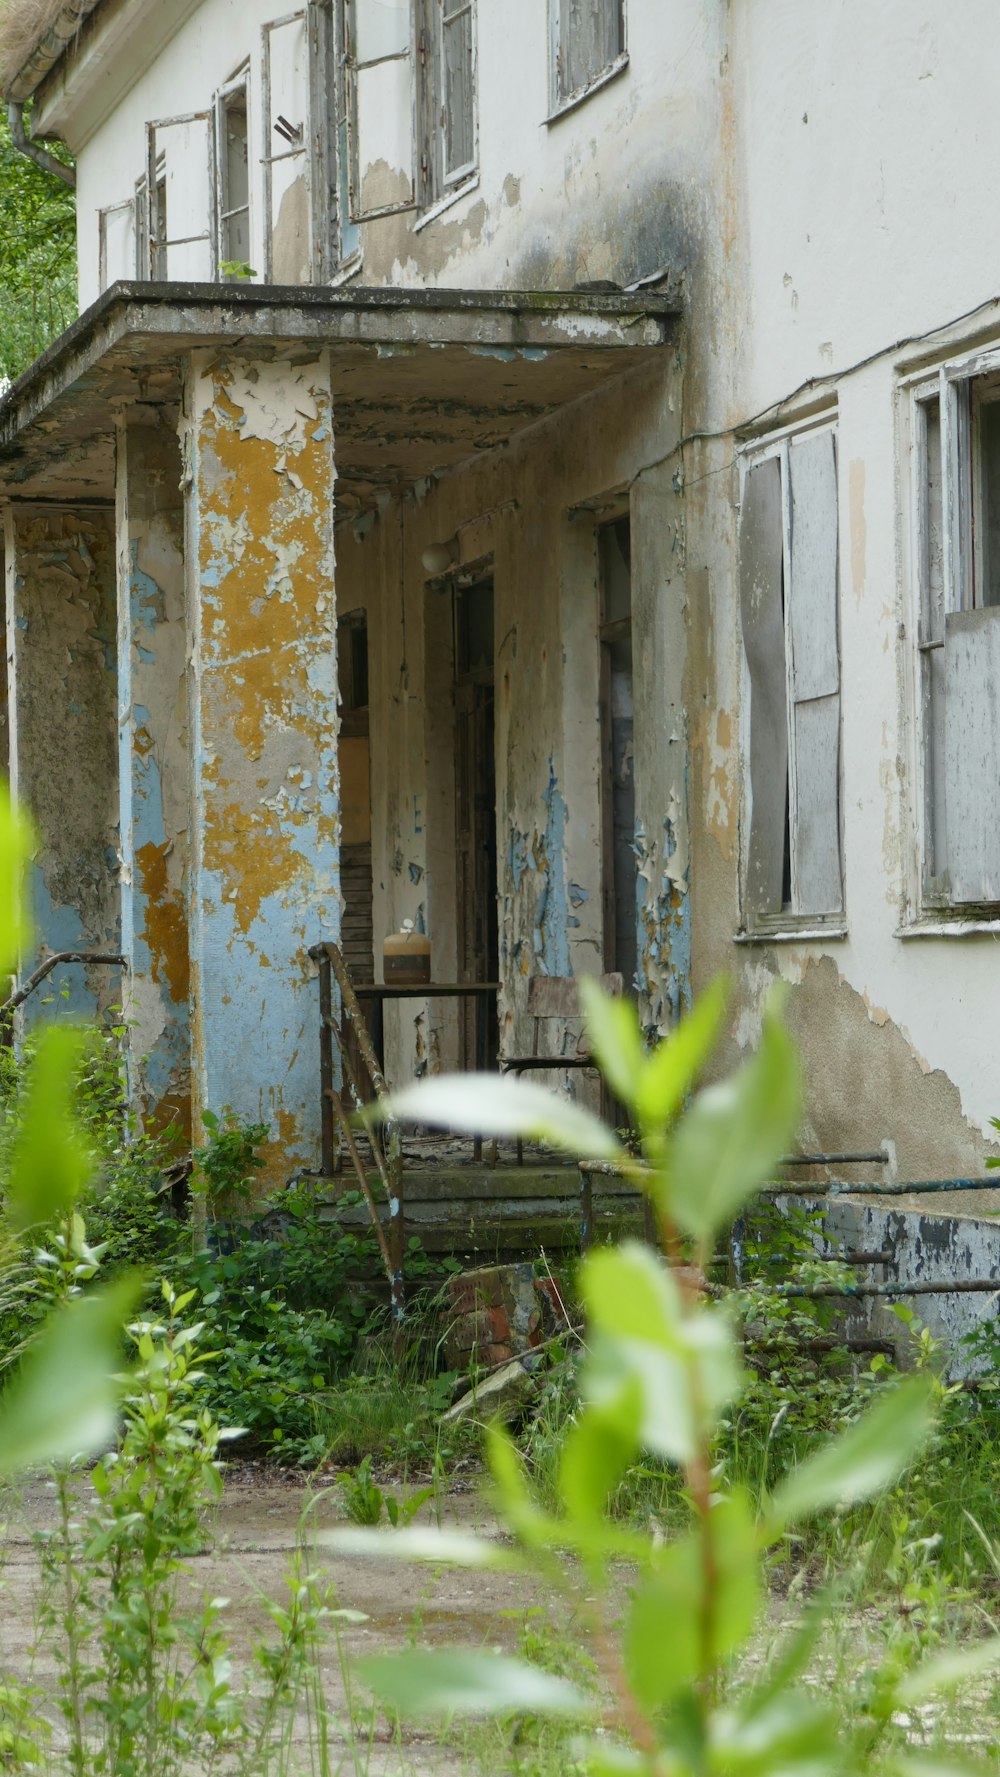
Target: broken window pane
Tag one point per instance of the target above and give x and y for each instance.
(235, 167)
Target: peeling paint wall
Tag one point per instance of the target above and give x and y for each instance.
(152, 737)
(259, 477)
(61, 663)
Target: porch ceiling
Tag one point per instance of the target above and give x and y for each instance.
(422, 379)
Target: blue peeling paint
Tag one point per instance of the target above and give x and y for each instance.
(577, 896)
(58, 927)
(551, 927)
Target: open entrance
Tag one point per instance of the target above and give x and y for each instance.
(617, 774)
(477, 943)
(355, 797)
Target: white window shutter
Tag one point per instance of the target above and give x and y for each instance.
(972, 753)
(760, 564)
(815, 675)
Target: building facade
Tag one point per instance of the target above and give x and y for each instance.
(527, 470)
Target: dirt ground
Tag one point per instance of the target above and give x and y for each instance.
(251, 1540)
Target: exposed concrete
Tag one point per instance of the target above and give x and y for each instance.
(258, 452)
(152, 732)
(63, 755)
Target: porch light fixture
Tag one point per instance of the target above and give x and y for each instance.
(440, 557)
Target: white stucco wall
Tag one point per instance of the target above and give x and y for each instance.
(821, 174)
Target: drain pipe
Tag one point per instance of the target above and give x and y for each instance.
(34, 150)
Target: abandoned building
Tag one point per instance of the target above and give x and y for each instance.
(532, 471)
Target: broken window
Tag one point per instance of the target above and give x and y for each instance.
(789, 612)
(447, 97)
(234, 178)
(588, 44)
(117, 243)
(957, 458)
(378, 49)
(180, 180)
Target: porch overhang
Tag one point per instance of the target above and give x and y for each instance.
(422, 380)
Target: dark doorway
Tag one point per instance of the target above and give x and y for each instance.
(617, 775)
(475, 813)
(357, 939)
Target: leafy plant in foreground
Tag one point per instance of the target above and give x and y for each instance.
(661, 1368)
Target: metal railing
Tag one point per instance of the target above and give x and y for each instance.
(349, 1038)
(104, 958)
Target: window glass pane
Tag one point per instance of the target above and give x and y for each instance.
(459, 147)
(236, 179)
(381, 28)
(989, 516)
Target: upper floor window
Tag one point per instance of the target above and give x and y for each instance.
(233, 137)
(588, 45)
(957, 487)
(180, 162)
(448, 96)
(788, 566)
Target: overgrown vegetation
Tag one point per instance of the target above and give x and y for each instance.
(754, 1577)
(37, 257)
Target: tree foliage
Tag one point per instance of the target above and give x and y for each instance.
(37, 257)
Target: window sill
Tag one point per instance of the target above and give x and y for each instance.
(583, 93)
(950, 928)
(442, 204)
(344, 273)
(810, 933)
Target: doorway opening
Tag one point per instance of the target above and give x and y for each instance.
(477, 923)
(357, 938)
(614, 544)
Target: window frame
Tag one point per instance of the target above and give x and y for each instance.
(125, 206)
(353, 68)
(438, 187)
(156, 181)
(957, 384)
(562, 102)
(792, 923)
(239, 82)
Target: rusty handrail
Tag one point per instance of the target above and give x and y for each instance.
(10, 1005)
(387, 1148)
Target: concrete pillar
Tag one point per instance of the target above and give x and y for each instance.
(262, 720)
(659, 649)
(153, 767)
(60, 580)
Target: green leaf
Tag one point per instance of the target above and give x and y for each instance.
(597, 1450)
(463, 1681)
(865, 1458)
(733, 1137)
(683, 1366)
(497, 1104)
(792, 1734)
(16, 841)
(671, 1071)
(419, 1542)
(63, 1402)
(614, 1036)
(50, 1164)
(947, 1670)
(668, 1642)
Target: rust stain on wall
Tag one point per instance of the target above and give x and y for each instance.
(165, 923)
